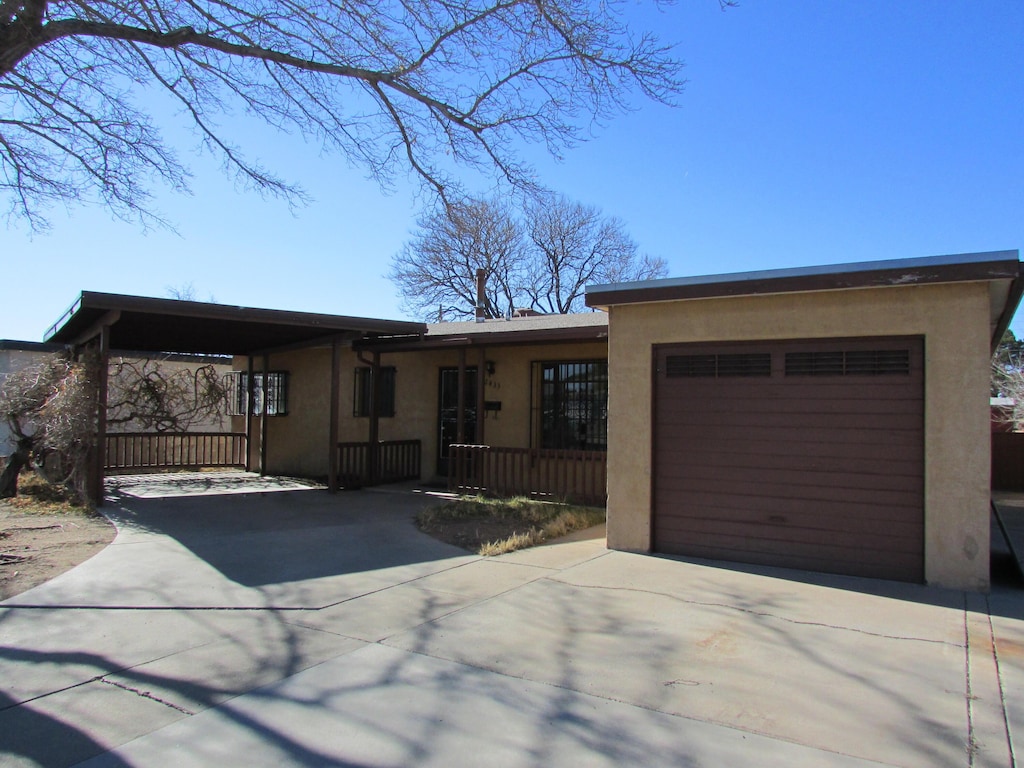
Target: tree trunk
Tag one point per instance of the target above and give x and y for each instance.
(9, 477)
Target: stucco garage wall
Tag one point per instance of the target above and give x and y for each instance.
(952, 318)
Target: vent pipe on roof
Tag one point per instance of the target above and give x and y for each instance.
(481, 295)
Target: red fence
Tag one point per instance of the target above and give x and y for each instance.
(395, 461)
(128, 451)
(579, 476)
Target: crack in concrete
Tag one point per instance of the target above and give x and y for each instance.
(759, 614)
(146, 695)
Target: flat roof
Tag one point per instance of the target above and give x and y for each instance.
(169, 325)
(1001, 269)
(531, 329)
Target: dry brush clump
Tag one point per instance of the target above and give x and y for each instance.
(491, 527)
(50, 409)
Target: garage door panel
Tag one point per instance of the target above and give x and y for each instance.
(790, 523)
(743, 418)
(775, 482)
(819, 464)
(863, 494)
(795, 406)
(739, 457)
(902, 568)
(859, 514)
(767, 537)
(774, 436)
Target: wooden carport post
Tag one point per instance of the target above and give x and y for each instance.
(100, 451)
(373, 449)
(263, 415)
(460, 413)
(481, 371)
(332, 437)
(250, 401)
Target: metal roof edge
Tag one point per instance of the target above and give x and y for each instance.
(949, 268)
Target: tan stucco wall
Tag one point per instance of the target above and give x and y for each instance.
(954, 321)
(298, 443)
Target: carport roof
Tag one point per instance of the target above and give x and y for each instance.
(169, 325)
(1000, 269)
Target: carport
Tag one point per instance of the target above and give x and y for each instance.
(830, 418)
(146, 325)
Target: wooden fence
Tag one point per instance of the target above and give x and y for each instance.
(1008, 461)
(395, 461)
(130, 451)
(577, 476)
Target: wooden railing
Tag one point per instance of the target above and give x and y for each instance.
(129, 451)
(577, 476)
(395, 461)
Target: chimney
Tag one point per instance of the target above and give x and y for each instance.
(481, 295)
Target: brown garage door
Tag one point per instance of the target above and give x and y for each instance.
(803, 454)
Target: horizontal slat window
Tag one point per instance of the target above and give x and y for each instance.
(719, 366)
(849, 363)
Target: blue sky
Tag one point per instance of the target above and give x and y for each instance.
(809, 133)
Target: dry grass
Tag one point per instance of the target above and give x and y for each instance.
(496, 526)
(36, 496)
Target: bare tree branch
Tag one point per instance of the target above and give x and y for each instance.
(400, 87)
(541, 260)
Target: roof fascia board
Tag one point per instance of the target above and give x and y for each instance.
(521, 337)
(209, 311)
(346, 337)
(943, 269)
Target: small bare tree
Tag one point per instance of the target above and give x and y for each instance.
(542, 259)
(51, 406)
(394, 86)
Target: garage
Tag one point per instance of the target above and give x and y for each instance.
(804, 454)
(832, 418)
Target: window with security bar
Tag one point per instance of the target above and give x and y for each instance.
(570, 404)
(276, 392)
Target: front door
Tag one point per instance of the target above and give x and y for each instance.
(448, 413)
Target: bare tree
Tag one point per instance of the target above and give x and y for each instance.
(543, 263)
(51, 406)
(575, 246)
(396, 86)
(435, 272)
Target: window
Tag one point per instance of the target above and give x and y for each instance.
(363, 387)
(881, 362)
(719, 366)
(276, 393)
(571, 404)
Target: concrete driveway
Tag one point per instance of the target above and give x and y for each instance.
(282, 626)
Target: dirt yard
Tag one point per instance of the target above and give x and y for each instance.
(37, 546)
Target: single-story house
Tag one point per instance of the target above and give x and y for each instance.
(832, 419)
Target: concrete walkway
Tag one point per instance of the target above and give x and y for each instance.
(296, 628)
